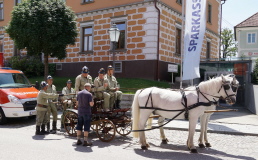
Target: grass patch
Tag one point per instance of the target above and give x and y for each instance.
(127, 85)
(131, 85)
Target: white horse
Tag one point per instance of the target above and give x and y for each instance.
(168, 104)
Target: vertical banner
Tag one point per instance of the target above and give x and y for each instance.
(195, 26)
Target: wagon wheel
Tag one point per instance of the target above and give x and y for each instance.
(106, 130)
(93, 126)
(70, 121)
(94, 122)
(124, 126)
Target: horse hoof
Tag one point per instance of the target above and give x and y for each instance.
(201, 145)
(207, 144)
(165, 141)
(144, 148)
(193, 150)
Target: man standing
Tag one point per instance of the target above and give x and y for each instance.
(114, 87)
(101, 86)
(42, 105)
(82, 79)
(84, 104)
(52, 105)
(68, 98)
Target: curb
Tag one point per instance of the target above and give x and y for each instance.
(214, 131)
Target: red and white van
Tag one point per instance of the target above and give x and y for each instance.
(18, 98)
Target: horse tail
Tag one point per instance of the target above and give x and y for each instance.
(136, 114)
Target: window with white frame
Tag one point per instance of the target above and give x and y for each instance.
(118, 67)
(251, 37)
(87, 39)
(208, 50)
(178, 41)
(179, 2)
(17, 2)
(121, 41)
(59, 66)
(209, 16)
(1, 10)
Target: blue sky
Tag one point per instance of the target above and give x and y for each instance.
(236, 11)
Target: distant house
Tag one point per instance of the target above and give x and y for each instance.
(150, 36)
(246, 34)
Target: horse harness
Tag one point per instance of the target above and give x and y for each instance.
(226, 86)
(183, 102)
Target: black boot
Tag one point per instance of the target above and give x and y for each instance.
(38, 131)
(53, 128)
(48, 126)
(62, 128)
(43, 129)
(118, 104)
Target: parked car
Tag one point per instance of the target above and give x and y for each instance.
(18, 98)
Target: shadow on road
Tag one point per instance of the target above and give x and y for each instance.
(43, 137)
(19, 122)
(203, 153)
(81, 148)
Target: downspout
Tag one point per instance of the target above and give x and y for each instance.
(220, 27)
(157, 67)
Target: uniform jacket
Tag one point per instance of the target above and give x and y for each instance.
(80, 81)
(51, 89)
(67, 91)
(99, 84)
(112, 82)
(43, 97)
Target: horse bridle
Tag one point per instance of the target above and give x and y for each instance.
(226, 86)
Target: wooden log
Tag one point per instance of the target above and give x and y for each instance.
(155, 116)
(225, 110)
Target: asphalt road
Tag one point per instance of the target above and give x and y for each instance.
(17, 141)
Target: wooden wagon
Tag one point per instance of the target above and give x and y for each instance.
(105, 124)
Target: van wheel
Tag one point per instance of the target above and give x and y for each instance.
(3, 119)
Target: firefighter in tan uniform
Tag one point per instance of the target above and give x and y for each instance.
(114, 87)
(82, 79)
(101, 90)
(42, 105)
(51, 105)
(68, 98)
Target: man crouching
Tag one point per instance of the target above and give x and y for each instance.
(84, 104)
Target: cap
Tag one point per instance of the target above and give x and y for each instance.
(110, 67)
(49, 77)
(102, 71)
(85, 69)
(87, 84)
(43, 84)
(69, 81)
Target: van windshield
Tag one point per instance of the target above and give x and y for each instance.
(13, 80)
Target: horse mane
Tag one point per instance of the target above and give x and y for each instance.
(211, 84)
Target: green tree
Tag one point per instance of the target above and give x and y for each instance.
(255, 73)
(228, 44)
(43, 26)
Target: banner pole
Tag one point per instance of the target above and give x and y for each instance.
(182, 41)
